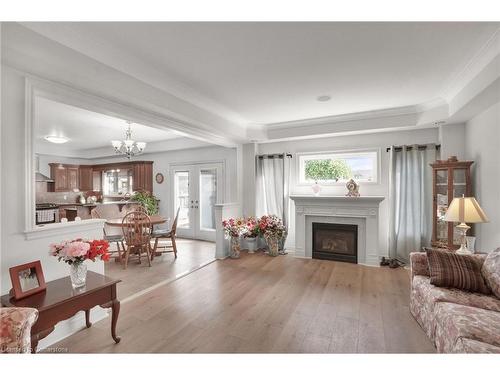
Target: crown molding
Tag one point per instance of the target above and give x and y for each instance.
(357, 116)
(475, 65)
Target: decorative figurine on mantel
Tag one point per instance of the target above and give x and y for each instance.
(352, 188)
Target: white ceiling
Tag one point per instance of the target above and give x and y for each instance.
(87, 130)
(265, 73)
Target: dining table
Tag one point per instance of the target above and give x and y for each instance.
(155, 220)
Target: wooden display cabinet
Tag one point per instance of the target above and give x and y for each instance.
(451, 178)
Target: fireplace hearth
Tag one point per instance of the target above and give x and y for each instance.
(335, 242)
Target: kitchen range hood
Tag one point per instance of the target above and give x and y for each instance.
(39, 177)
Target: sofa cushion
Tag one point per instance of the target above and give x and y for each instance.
(425, 296)
(452, 270)
(455, 322)
(472, 346)
(491, 271)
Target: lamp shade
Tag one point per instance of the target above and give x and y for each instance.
(465, 210)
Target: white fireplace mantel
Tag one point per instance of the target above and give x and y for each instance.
(362, 211)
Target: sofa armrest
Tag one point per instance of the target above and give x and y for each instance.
(15, 329)
(419, 264)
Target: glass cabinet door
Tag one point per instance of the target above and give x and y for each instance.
(442, 200)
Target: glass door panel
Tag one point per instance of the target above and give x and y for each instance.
(459, 183)
(441, 204)
(181, 198)
(208, 198)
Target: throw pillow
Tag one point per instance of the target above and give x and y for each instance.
(491, 271)
(452, 270)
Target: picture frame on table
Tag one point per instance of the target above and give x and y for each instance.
(27, 279)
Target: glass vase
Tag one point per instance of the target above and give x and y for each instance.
(235, 248)
(273, 245)
(78, 274)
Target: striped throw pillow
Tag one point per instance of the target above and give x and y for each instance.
(452, 270)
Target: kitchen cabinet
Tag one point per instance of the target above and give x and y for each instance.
(89, 177)
(142, 176)
(86, 178)
(66, 177)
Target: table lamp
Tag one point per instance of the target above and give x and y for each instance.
(465, 210)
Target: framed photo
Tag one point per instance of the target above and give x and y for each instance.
(159, 178)
(27, 279)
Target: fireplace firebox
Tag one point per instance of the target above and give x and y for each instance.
(335, 242)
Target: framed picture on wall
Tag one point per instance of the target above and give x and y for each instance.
(27, 279)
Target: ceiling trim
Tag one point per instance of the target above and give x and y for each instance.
(473, 67)
(357, 116)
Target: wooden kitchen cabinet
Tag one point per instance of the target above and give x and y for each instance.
(86, 178)
(66, 177)
(142, 176)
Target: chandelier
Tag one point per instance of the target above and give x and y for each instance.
(128, 147)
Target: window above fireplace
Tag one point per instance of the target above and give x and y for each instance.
(338, 167)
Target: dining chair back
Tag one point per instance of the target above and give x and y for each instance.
(137, 229)
(166, 235)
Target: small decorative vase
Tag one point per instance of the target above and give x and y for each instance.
(251, 244)
(273, 245)
(316, 189)
(78, 274)
(235, 248)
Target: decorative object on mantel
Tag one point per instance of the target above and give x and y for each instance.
(316, 188)
(76, 252)
(159, 178)
(128, 147)
(251, 234)
(273, 229)
(352, 188)
(462, 210)
(233, 229)
(27, 279)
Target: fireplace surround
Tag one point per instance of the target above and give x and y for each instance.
(360, 211)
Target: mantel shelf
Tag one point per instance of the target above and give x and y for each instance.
(337, 198)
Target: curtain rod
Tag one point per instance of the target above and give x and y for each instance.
(410, 147)
(272, 156)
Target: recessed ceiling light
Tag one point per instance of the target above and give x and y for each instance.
(323, 98)
(56, 139)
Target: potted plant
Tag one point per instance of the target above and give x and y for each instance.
(233, 229)
(76, 252)
(251, 234)
(273, 229)
(147, 200)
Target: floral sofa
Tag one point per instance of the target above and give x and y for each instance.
(15, 329)
(456, 321)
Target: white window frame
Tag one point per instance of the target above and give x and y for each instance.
(304, 156)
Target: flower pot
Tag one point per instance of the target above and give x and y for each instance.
(281, 243)
(273, 245)
(261, 243)
(251, 243)
(235, 248)
(78, 274)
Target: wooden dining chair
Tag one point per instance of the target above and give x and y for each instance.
(137, 229)
(166, 234)
(111, 235)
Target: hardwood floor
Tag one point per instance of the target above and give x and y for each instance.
(138, 277)
(270, 305)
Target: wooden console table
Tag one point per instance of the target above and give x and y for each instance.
(60, 302)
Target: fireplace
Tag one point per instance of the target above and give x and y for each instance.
(335, 242)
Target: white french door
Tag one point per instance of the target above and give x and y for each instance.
(197, 189)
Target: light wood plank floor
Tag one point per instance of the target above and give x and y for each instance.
(271, 305)
(138, 277)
